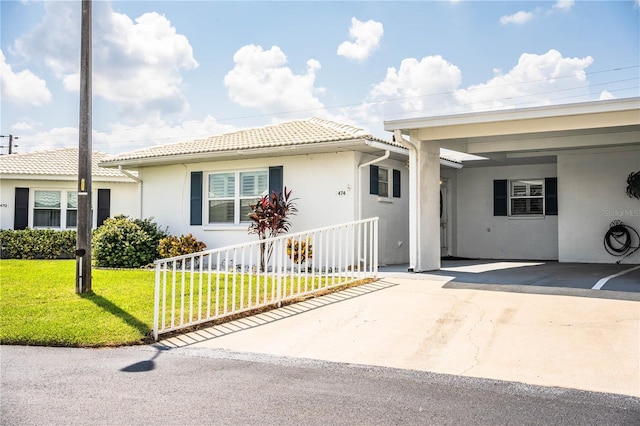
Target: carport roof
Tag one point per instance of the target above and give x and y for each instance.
(530, 135)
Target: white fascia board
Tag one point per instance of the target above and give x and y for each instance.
(387, 147)
(593, 107)
(66, 178)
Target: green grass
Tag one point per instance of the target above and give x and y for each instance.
(39, 306)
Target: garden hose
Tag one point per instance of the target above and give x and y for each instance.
(618, 240)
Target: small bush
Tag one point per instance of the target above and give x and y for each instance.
(37, 244)
(122, 242)
(176, 246)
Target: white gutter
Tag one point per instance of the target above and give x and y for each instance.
(413, 188)
(140, 184)
(387, 147)
(360, 167)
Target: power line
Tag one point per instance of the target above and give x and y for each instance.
(399, 99)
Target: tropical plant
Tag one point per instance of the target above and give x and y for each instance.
(269, 218)
(299, 251)
(172, 245)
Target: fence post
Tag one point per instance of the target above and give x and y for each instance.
(156, 304)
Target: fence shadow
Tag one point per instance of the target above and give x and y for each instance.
(252, 321)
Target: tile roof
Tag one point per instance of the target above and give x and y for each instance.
(292, 133)
(56, 162)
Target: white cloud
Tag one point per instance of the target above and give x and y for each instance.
(261, 79)
(431, 86)
(419, 84)
(25, 126)
(563, 5)
(518, 18)
(22, 88)
(122, 138)
(606, 95)
(534, 80)
(366, 37)
(136, 64)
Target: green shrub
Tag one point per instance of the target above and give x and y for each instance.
(176, 246)
(37, 244)
(122, 242)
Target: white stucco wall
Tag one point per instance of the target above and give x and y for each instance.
(324, 185)
(314, 179)
(479, 234)
(124, 197)
(592, 194)
(393, 212)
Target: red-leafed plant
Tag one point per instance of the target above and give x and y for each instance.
(269, 218)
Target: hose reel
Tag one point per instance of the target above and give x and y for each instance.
(619, 241)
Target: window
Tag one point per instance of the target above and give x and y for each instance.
(46, 209)
(380, 183)
(526, 197)
(231, 193)
(49, 207)
(72, 209)
(383, 182)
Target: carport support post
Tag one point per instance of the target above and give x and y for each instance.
(427, 205)
(83, 247)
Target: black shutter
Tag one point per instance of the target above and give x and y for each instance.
(396, 183)
(373, 180)
(276, 179)
(104, 205)
(500, 198)
(195, 205)
(21, 211)
(551, 196)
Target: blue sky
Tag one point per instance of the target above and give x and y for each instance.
(167, 71)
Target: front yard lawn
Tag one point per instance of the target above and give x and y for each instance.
(39, 306)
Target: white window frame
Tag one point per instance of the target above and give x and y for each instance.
(237, 196)
(63, 209)
(528, 184)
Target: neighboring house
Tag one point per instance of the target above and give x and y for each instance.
(338, 173)
(552, 181)
(39, 190)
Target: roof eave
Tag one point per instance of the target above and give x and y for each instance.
(319, 147)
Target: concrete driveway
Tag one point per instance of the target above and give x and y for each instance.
(563, 336)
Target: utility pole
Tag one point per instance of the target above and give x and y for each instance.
(11, 138)
(83, 247)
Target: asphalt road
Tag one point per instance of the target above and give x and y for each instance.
(189, 386)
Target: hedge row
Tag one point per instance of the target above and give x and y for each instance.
(121, 242)
(37, 244)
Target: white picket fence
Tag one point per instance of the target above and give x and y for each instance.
(213, 284)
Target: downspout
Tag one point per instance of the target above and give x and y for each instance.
(413, 208)
(360, 167)
(140, 184)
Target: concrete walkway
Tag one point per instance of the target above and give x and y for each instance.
(412, 321)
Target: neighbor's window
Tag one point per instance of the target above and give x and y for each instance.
(231, 193)
(46, 209)
(527, 197)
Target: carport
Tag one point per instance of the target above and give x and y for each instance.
(549, 183)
